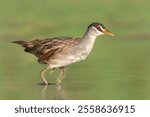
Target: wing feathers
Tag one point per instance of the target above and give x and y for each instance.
(48, 48)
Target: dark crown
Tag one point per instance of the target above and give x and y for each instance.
(97, 26)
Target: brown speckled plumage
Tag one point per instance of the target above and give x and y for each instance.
(59, 52)
(47, 49)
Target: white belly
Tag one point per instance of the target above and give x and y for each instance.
(64, 61)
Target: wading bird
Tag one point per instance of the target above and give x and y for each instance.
(60, 52)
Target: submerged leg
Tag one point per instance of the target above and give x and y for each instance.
(42, 75)
(61, 75)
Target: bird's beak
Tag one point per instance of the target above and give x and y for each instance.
(107, 32)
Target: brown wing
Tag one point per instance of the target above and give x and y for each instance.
(48, 48)
(27, 44)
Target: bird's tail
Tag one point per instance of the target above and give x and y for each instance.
(25, 44)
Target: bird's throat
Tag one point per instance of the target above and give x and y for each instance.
(88, 39)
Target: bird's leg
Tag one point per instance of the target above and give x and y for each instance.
(42, 75)
(52, 71)
(61, 75)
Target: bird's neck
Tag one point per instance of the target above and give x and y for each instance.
(89, 38)
(83, 49)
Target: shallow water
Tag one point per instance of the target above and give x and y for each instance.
(117, 69)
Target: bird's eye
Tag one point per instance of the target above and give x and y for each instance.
(98, 28)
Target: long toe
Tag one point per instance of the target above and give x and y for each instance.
(58, 82)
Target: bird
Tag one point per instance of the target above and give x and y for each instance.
(59, 52)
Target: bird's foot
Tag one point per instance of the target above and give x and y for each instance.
(58, 82)
(44, 84)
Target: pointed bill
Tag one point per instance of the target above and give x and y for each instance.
(108, 32)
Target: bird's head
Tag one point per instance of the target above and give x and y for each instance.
(99, 29)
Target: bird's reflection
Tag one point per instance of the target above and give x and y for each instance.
(59, 95)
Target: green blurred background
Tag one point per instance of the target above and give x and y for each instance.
(118, 67)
